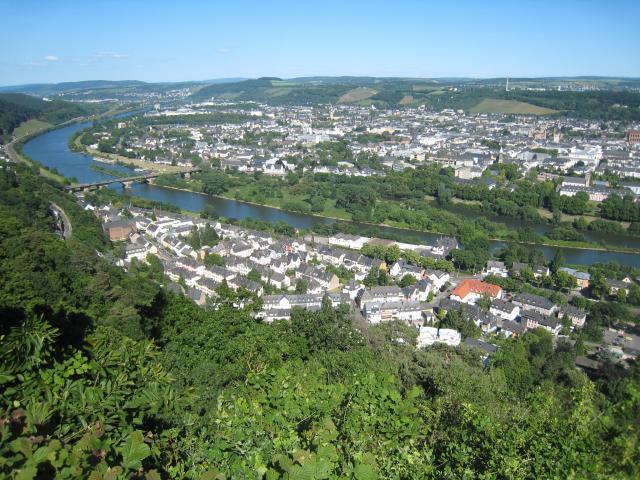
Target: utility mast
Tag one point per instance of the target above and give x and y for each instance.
(506, 89)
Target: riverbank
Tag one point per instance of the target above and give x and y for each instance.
(111, 158)
(52, 149)
(426, 216)
(409, 229)
(15, 153)
(31, 129)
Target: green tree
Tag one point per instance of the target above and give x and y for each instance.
(598, 286)
(213, 259)
(254, 275)
(557, 262)
(209, 211)
(407, 280)
(564, 281)
(460, 321)
(302, 286)
(485, 302)
(392, 254)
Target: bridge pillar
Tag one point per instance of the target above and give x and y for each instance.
(127, 184)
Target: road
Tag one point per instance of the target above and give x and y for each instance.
(11, 153)
(67, 229)
(162, 252)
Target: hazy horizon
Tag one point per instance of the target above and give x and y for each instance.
(392, 77)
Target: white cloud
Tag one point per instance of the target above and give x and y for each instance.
(223, 50)
(51, 58)
(111, 55)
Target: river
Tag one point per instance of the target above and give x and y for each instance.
(52, 149)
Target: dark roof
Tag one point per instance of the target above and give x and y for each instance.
(119, 224)
(534, 300)
(484, 346)
(502, 305)
(513, 327)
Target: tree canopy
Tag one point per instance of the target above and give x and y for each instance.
(106, 374)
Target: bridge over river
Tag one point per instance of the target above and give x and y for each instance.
(128, 181)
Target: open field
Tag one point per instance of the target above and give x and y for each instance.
(278, 91)
(29, 127)
(406, 100)
(284, 83)
(357, 94)
(425, 88)
(492, 105)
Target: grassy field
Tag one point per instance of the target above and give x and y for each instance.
(492, 105)
(278, 91)
(357, 94)
(139, 163)
(246, 193)
(29, 127)
(284, 83)
(425, 88)
(406, 100)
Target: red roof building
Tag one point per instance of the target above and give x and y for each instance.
(470, 290)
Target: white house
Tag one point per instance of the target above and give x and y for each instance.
(352, 289)
(429, 335)
(577, 316)
(504, 310)
(496, 268)
(354, 242)
(438, 278)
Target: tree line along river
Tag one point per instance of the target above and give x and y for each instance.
(52, 150)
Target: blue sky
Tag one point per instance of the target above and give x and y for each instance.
(63, 40)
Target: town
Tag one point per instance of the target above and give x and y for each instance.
(365, 141)
(320, 240)
(199, 256)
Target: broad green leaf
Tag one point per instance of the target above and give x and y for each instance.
(364, 471)
(28, 473)
(152, 475)
(134, 451)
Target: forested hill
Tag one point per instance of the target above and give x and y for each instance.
(16, 108)
(475, 96)
(105, 374)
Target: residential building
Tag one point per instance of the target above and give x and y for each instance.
(504, 310)
(496, 268)
(471, 290)
(529, 301)
(577, 316)
(119, 230)
(582, 278)
(381, 294)
(428, 336)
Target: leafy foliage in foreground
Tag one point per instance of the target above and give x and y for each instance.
(107, 375)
